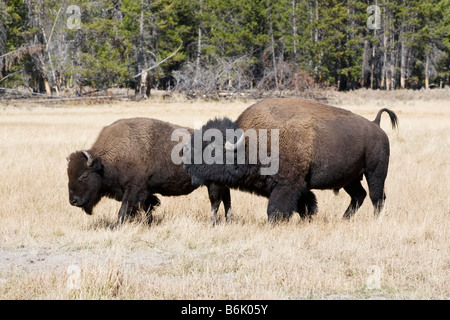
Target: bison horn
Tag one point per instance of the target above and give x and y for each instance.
(90, 159)
(233, 146)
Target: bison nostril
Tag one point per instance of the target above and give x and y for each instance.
(73, 201)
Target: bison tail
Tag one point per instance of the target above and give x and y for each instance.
(392, 115)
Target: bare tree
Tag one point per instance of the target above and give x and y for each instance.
(272, 47)
(141, 81)
(294, 26)
(365, 72)
(199, 41)
(225, 78)
(433, 55)
(2, 34)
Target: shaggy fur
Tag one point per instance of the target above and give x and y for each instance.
(320, 147)
(131, 162)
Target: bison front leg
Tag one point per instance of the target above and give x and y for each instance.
(215, 198)
(226, 199)
(130, 205)
(217, 194)
(307, 205)
(282, 202)
(123, 212)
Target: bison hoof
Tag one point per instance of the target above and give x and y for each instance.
(230, 218)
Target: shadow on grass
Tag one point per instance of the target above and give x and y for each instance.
(109, 223)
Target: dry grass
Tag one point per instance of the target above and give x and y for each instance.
(182, 257)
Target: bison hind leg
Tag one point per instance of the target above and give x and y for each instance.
(150, 203)
(283, 200)
(377, 195)
(375, 180)
(357, 194)
(307, 205)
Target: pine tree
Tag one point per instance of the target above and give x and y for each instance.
(227, 45)
(430, 37)
(3, 35)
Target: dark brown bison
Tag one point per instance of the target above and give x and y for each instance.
(317, 146)
(130, 162)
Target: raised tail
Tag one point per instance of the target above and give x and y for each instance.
(392, 115)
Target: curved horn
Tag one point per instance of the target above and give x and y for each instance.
(90, 159)
(233, 146)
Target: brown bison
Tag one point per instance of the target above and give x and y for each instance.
(130, 162)
(317, 146)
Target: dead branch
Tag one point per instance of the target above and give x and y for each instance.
(159, 63)
(24, 50)
(139, 74)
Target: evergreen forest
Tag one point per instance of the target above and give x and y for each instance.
(206, 47)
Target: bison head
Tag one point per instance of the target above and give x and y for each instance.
(85, 180)
(212, 153)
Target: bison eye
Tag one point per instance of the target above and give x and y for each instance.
(83, 176)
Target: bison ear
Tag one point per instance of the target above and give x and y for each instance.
(97, 164)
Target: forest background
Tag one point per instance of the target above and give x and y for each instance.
(211, 47)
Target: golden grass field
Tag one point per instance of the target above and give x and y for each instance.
(51, 250)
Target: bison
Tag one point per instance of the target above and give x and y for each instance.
(131, 161)
(318, 147)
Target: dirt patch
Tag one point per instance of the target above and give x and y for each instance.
(15, 262)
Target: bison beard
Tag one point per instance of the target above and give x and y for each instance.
(89, 207)
(321, 147)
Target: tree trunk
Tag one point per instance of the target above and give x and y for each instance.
(427, 71)
(274, 59)
(78, 84)
(403, 56)
(52, 69)
(384, 69)
(372, 68)
(48, 91)
(404, 48)
(199, 44)
(272, 45)
(311, 31)
(316, 39)
(294, 28)
(3, 38)
(141, 81)
(34, 19)
(365, 64)
(393, 58)
(316, 31)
